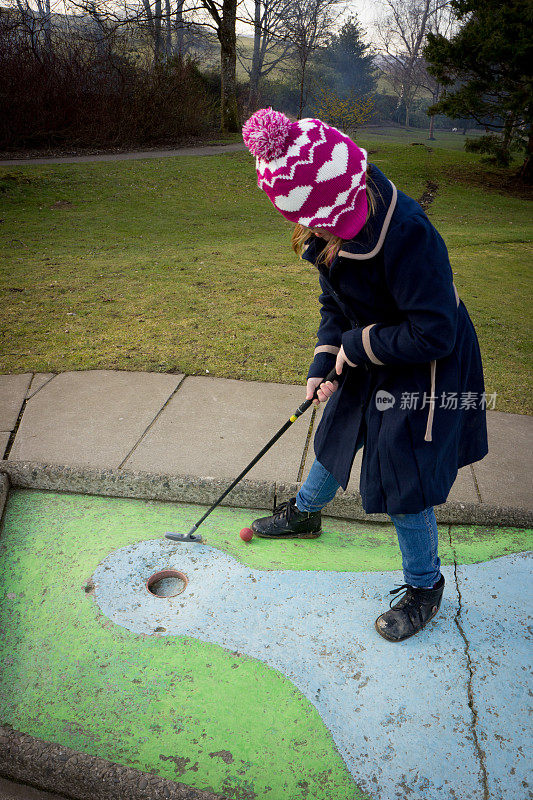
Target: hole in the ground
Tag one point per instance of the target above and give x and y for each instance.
(167, 583)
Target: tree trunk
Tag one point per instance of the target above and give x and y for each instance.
(508, 130)
(256, 66)
(303, 64)
(157, 30)
(45, 21)
(168, 30)
(407, 116)
(229, 113)
(436, 94)
(48, 27)
(526, 170)
(178, 49)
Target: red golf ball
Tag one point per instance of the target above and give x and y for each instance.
(246, 534)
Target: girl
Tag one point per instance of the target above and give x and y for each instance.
(410, 387)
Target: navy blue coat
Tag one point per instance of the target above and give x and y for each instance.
(417, 394)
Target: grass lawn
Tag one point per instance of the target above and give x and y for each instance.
(183, 265)
(393, 134)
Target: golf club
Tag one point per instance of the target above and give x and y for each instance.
(191, 536)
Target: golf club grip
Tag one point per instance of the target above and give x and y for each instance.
(331, 376)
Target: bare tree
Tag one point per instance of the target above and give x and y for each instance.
(223, 14)
(171, 26)
(401, 36)
(141, 18)
(270, 46)
(152, 15)
(444, 22)
(37, 20)
(164, 22)
(179, 48)
(308, 25)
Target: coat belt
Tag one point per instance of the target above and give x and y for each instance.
(433, 368)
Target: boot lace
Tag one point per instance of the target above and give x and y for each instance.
(283, 511)
(407, 594)
(412, 603)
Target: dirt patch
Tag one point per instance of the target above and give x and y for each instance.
(421, 144)
(493, 179)
(428, 195)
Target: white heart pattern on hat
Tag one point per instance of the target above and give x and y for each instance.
(337, 164)
(294, 200)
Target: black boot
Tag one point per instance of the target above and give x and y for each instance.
(414, 610)
(287, 521)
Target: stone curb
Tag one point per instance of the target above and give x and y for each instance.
(247, 494)
(79, 776)
(4, 492)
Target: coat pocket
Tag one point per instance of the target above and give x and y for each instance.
(402, 478)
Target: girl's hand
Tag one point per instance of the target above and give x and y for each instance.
(342, 359)
(324, 393)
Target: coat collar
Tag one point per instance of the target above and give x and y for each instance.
(369, 240)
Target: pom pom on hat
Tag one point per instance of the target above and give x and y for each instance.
(265, 133)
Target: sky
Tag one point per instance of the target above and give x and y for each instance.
(367, 11)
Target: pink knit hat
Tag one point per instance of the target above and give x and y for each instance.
(313, 173)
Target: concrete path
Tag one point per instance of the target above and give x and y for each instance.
(206, 150)
(186, 438)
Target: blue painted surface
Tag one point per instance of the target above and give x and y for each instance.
(497, 599)
(398, 712)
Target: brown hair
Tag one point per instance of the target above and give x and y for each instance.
(301, 234)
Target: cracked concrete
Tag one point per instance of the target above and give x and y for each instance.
(496, 606)
(151, 424)
(471, 702)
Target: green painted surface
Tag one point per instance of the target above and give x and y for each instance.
(480, 543)
(187, 710)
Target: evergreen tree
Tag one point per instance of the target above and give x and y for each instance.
(351, 61)
(486, 70)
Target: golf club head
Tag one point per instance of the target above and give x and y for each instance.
(182, 537)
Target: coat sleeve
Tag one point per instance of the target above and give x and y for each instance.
(333, 323)
(420, 279)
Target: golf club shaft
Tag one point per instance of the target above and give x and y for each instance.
(331, 376)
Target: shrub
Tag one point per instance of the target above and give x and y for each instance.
(495, 149)
(87, 92)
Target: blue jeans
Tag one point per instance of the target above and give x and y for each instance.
(417, 533)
